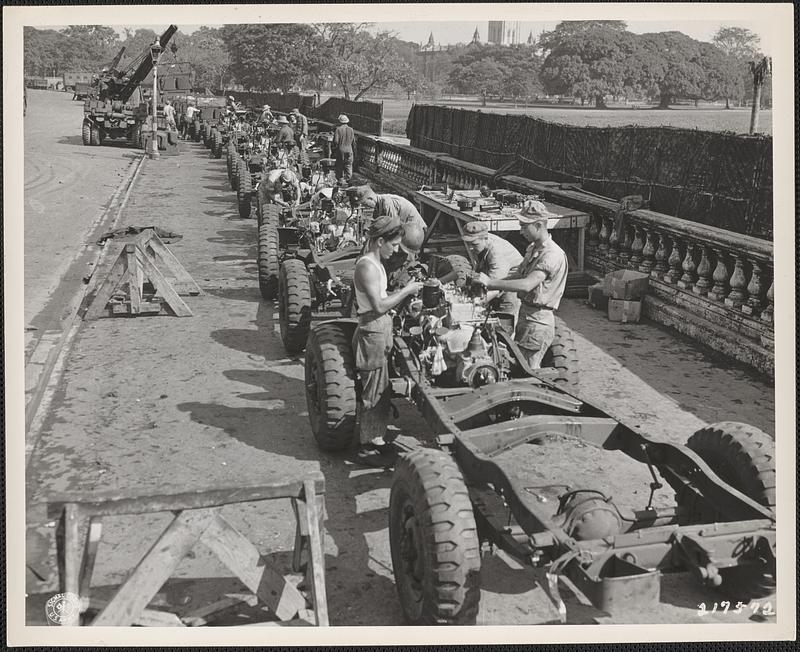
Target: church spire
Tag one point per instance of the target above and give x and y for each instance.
(530, 38)
(430, 41)
(476, 38)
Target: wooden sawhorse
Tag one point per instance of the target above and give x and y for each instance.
(197, 518)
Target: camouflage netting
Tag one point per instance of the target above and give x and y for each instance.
(364, 116)
(284, 102)
(715, 178)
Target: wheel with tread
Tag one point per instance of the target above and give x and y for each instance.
(268, 259)
(434, 541)
(235, 174)
(217, 145)
(294, 305)
(86, 132)
(744, 457)
(244, 191)
(197, 132)
(95, 135)
(562, 355)
(207, 135)
(330, 377)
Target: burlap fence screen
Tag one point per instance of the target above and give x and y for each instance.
(715, 178)
(364, 116)
(284, 102)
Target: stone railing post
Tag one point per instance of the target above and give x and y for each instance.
(660, 258)
(720, 278)
(738, 281)
(703, 274)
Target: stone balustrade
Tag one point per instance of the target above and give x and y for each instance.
(712, 284)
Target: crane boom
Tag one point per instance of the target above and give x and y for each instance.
(144, 67)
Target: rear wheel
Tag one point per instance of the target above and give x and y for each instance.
(562, 356)
(330, 377)
(294, 305)
(86, 132)
(207, 135)
(217, 145)
(197, 133)
(434, 541)
(244, 192)
(94, 135)
(743, 457)
(268, 260)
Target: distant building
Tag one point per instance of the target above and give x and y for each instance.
(503, 32)
(430, 55)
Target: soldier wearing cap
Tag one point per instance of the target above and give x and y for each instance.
(285, 135)
(386, 204)
(300, 129)
(343, 141)
(495, 257)
(266, 114)
(539, 282)
(280, 187)
(373, 338)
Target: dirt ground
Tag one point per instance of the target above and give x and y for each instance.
(67, 187)
(154, 405)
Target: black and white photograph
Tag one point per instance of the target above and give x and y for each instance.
(388, 316)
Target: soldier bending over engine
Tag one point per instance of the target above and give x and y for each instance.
(373, 339)
(281, 187)
(539, 282)
(495, 257)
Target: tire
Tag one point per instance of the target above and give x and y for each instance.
(454, 262)
(434, 541)
(230, 160)
(268, 260)
(196, 132)
(744, 457)
(207, 136)
(270, 213)
(94, 135)
(294, 305)
(86, 132)
(235, 174)
(330, 377)
(244, 192)
(563, 356)
(217, 145)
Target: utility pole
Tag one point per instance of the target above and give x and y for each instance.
(759, 70)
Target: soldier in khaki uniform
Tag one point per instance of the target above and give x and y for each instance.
(539, 282)
(495, 257)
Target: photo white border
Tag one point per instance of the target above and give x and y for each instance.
(775, 22)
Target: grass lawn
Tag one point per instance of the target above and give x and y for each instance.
(710, 118)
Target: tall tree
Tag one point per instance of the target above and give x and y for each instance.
(270, 56)
(208, 55)
(567, 29)
(359, 61)
(590, 64)
(738, 42)
(669, 65)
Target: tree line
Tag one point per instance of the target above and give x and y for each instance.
(587, 60)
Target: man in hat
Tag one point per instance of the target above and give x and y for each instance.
(495, 257)
(300, 129)
(188, 120)
(343, 141)
(387, 204)
(266, 115)
(285, 135)
(373, 338)
(539, 281)
(280, 187)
